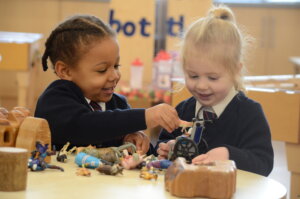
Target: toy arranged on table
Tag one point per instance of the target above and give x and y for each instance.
(109, 154)
(130, 161)
(19, 129)
(111, 160)
(83, 171)
(37, 160)
(110, 169)
(215, 180)
(148, 173)
(186, 145)
(159, 164)
(87, 160)
(62, 154)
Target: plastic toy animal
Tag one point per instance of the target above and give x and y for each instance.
(37, 160)
(83, 171)
(109, 154)
(159, 164)
(148, 174)
(131, 161)
(110, 170)
(62, 154)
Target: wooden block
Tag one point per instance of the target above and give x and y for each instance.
(217, 180)
(13, 169)
(7, 135)
(31, 130)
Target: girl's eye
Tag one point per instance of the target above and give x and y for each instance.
(117, 66)
(102, 71)
(193, 76)
(213, 78)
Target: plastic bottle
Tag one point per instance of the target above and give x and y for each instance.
(136, 74)
(164, 71)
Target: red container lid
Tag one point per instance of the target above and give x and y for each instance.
(137, 62)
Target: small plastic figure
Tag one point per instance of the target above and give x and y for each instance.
(37, 160)
(185, 125)
(110, 170)
(159, 164)
(87, 160)
(148, 174)
(109, 154)
(83, 171)
(131, 161)
(62, 154)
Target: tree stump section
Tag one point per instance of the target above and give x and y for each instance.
(13, 169)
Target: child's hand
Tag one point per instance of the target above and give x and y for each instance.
(162, 115)
(219, 153)
(140, 140)
(164, 148)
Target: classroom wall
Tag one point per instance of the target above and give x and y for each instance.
(38, 16)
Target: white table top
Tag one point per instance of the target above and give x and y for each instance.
(54, 184)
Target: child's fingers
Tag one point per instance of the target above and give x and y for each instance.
(163, 146)
(170, 122)
(145, 144)
(162, 150)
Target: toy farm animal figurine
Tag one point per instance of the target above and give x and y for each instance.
(215, 180)
(109, 154)
(62, 154)
(131, 161)
(110, 170)
(83, 171)
(148, 174)
(37, 160)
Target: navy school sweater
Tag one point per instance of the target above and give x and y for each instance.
(71, 119)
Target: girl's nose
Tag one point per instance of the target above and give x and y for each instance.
(114, 75)
(201, 84)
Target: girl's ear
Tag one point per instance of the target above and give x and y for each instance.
(63, 70)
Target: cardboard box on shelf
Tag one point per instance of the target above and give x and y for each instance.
(293, 151)
(295, 185)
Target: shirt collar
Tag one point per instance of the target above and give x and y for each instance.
(102, 104)
(219, 108)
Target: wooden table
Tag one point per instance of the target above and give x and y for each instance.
(54, 184)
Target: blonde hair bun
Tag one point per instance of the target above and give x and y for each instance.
(222, 12)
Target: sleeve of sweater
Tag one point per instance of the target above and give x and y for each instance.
(71, 120)
(254, 150)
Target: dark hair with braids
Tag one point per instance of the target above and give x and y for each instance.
(72, 38)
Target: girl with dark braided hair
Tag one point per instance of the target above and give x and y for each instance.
(81, 107)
